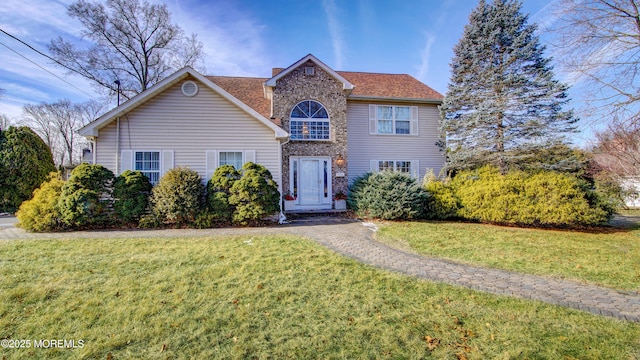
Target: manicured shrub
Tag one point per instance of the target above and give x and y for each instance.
(605, 194)
(206, 220)
(41, 213)
(255, 195)
(355, 188)
(484, 195)
(387, 195)
(541, 198)
(218, 193)
(87, 197)
(551, 198)
(178, 196)
(131, 192)
(25, 163)
(150, 221)
(442, 202)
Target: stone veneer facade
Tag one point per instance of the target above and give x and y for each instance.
(325, 89)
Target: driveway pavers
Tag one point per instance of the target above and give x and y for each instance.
(356, 240)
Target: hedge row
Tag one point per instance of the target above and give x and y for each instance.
(541, 198)
(94, 198)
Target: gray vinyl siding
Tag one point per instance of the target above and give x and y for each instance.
(189, 126)
(364, 147)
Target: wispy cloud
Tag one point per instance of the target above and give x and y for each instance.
(425, 55)
(430, 40)
(548, 15)
(335, 31)
(233, 41)
(35, 22)
(25, 16)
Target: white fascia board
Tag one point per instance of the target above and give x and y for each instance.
(346, 85)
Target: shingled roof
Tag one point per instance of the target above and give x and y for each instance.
(396, 86)
(250, 90)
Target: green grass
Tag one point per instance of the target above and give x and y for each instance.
(269, 297)
(609, 258)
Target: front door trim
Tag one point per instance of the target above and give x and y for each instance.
(311, 196)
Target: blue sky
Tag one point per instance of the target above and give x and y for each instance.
(249, 37)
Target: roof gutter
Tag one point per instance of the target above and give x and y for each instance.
(394, 99)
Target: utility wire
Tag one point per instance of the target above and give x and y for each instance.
(43, 68)
(48, 57)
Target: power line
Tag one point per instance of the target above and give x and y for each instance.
(41, 53)
(50, 58)
(41, 67)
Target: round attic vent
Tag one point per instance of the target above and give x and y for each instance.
(189, 88)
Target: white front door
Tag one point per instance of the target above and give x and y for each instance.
(311, 182)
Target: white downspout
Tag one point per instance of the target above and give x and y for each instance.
(118, 145)
(282, 218)
(94, 142)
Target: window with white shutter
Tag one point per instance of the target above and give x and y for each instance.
(393, 120)
(148, 162)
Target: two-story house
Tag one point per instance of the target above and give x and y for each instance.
(314, 128)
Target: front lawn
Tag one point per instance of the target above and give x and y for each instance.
(610, 257)
(269, 297)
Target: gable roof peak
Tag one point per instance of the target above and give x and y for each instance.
(346, 85)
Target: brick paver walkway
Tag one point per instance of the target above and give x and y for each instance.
(357, 241)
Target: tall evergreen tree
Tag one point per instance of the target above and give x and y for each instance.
(25, 163)
(502, 105)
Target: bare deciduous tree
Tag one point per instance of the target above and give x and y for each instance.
(618, 151)
(598, 43)
(57, 124)
(133, 41)
(5, 122)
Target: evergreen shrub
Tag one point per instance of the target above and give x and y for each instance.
(540, 198)
(218, 192)
(25, 163)
(87, 197)
(41, 213)
(178, 197)
(255, 195)
(131, 192)
(442, 202)
(387, 195)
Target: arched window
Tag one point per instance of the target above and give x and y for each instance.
(309, 121)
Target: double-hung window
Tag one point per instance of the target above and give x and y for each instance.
(230, 158)
(393, 120)
(411, 167)
(148, 162)
(399, 166)
(235, 158)
(309, 121)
